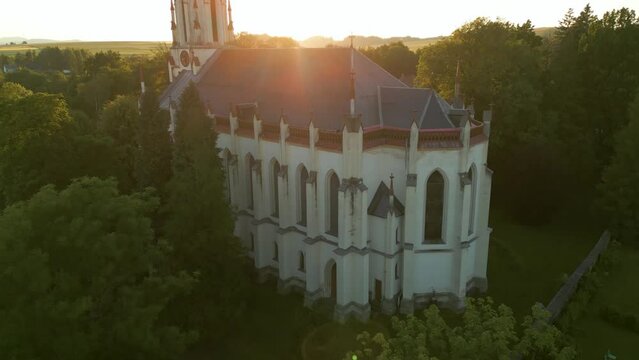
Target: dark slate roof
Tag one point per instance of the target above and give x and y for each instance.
(301, 81)
(381, 203)
(400, 106)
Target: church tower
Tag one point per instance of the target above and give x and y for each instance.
(199, 27)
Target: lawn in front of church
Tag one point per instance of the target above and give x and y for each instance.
(528, 264)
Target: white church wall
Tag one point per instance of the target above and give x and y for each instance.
(433, 272)
(434, 265)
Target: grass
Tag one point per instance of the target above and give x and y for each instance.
(333, 340)
(528, 264)
(123, 47)
(593, 335)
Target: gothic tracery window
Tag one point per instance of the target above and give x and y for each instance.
(302, 203)
(275, 210)
(434, 217)
(333, 207)
(250, 161)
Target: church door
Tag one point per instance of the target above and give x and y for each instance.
(378, 291)
(334, 282)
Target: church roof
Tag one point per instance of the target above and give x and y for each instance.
(302, 81)
(380, 205)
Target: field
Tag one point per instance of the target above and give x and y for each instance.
(123, 47)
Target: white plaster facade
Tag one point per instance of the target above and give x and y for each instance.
(368, 251)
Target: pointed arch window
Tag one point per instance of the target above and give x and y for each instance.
(473, 196)
(275, 203)
(276, 252)
(333, 207)
(250, 162)
(434, 217)
(227, 173)
(302, 203)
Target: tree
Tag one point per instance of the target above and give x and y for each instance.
(395, 57)
(41, 143)
(200, 224)
(619, 194)
(34, 136)
(501, 68)
(486, 332)
(252, 41)
(153, 151)
(84, 278)
(119, 120)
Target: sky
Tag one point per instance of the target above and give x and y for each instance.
(149, 20)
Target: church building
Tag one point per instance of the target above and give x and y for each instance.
(347, 184)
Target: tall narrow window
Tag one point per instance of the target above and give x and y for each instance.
(333, 199)
(227, 174)
(473, 196)
(275, 211)
(303, 179)
(276, 250)
(252, 244)
(302, 264)
(250, 161)
(433, 223)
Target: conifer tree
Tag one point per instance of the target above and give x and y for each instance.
(200, 225)
(153, 153)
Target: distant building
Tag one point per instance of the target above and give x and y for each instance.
(9, 69)
(348, 184)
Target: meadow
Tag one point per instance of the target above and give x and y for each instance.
(123, 47)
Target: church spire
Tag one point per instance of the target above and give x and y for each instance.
(458, 102)
(352, 90)
(231, 29)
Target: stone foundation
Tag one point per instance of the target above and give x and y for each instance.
(359, 312)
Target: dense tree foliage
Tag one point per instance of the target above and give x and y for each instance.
(620, 193)
(487, 332)
(200, 224)
(251, 41)
(557, 102)
(119, 120)
(395, 57)
(83, 278)
(40, 144)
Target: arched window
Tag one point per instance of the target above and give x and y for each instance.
(302, 264)
(275, 207)
(252, 242)
(333, 208)
(397, 235)
(473, 196)
(227, 173)
(302, 184)
(433, 223)
(276, 252)
(250, 161)
(397, 271)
